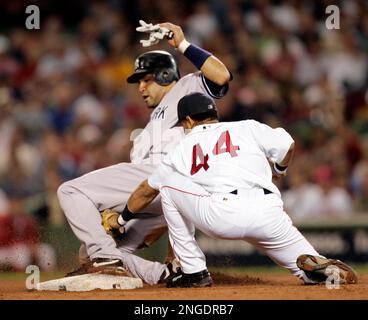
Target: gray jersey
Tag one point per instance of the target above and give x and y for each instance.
(161, 133)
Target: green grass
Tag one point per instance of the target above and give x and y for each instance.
(44, 276)
(360, 268)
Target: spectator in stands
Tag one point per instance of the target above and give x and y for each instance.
(320, 196)
(302, 198)
(20, 244)
(359, 184)
(334, 199)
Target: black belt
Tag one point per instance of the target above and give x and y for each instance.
(265, 191)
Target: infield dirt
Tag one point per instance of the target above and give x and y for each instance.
(260, 286)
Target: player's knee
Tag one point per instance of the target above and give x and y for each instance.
(64, 190)
(61, 191)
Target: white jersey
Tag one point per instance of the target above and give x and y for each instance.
(225, 156)
(161, 133)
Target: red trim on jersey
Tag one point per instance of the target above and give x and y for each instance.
(193, 194)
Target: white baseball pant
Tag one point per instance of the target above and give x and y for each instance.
(250, 215)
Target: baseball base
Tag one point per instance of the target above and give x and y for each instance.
(88, 282)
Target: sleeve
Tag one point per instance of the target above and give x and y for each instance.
(275, 143)
(196, 81)
(214, 90)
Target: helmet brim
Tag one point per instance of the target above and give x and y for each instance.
(137, 75)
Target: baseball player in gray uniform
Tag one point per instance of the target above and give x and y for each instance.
(218, 179)
(84, 198)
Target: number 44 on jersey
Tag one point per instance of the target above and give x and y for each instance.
(222, 145)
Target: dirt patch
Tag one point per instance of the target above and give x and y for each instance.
(224, 279)
(248, 287)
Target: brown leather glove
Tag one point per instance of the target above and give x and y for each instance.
(109, 222)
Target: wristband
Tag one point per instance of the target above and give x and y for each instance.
(279, 169)
(125, 216)
(183, 46)
(121, 221)
(196, 55)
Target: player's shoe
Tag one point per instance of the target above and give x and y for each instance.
(318, 269)
(101, 265)
(171, 271)
(185, 280)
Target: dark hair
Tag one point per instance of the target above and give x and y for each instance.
(211, 115)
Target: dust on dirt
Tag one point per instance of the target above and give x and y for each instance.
(220, 278)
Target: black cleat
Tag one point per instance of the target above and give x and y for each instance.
(172, 271)
(185, 280)
(100, 265)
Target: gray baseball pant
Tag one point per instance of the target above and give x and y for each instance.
(82, 200)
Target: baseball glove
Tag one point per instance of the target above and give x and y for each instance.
(109, 223)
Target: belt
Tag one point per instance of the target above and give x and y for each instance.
(265, 191)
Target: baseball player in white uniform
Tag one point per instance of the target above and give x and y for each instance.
(83, 199)
(219, 179)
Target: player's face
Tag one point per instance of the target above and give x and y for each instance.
(152, 93)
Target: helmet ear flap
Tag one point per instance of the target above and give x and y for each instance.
(165, 76)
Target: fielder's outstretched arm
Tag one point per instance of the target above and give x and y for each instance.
(211, 67)
(138, 200)
(141, 197)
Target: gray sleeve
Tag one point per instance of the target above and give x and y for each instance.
(214, 90)
(196, 82)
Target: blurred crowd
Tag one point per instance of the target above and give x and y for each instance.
(65, 108)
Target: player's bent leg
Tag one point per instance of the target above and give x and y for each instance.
(291, 250)
(280, 239)
(181, 236)
(286, 254)
(83, 199)
(180, 200)
(149, 271)
(85, 221)
(130, 265)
